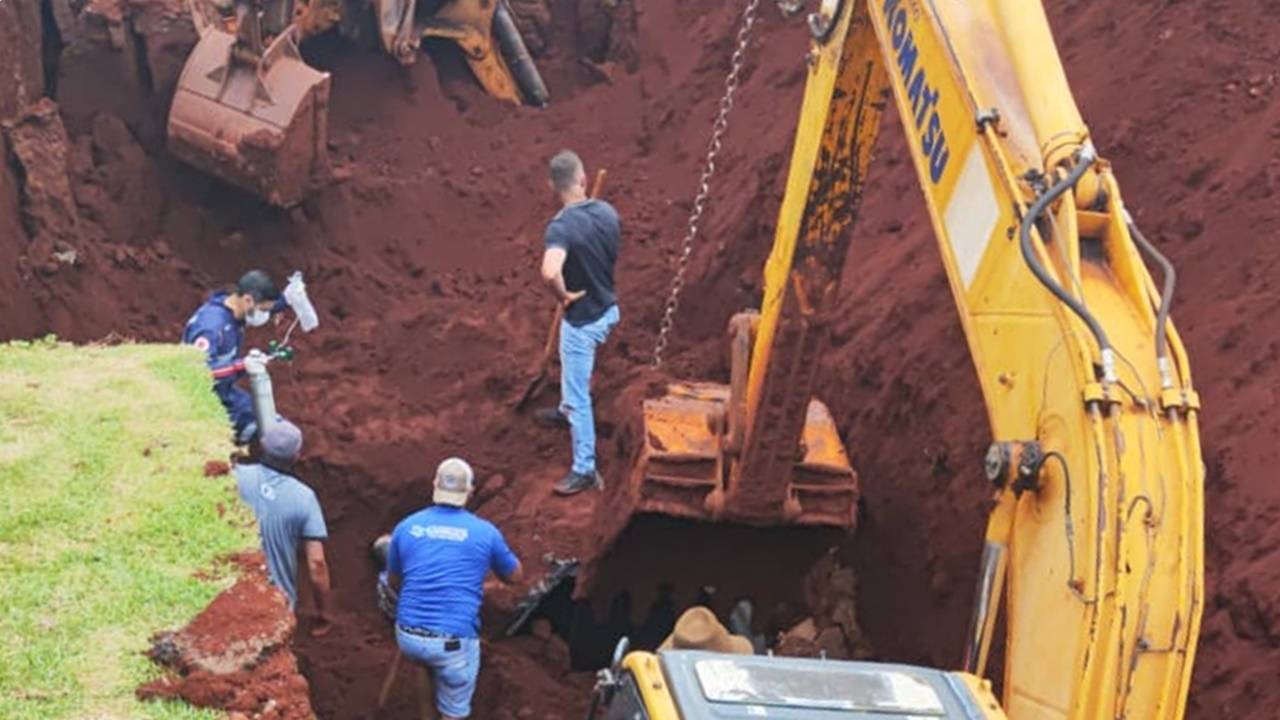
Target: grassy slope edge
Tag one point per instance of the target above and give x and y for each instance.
(105, 519)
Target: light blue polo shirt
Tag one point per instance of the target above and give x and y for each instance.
(288, 513)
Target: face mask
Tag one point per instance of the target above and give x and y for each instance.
(257, 318)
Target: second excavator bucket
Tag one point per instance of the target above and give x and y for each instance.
(701, 457)
(259, 123)
(686, 466)
(483, 29)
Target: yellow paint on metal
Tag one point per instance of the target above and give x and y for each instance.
(980, 691)
(1105, 556)
(469, 23)
(839, 121)
(652, 684)
(1105, 570)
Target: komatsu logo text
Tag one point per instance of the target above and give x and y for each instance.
(924, 98)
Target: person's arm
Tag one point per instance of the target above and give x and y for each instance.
(503, 562)
(314, 533)
(208, 341)
(515, 576)
(553, 259)
(553, 276)
(394, 578)
(318, 570)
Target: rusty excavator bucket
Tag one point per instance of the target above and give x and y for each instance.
(706, 455)
(749, 487)
(252, 114)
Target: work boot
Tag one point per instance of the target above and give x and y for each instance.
(550, 417)
(574, 483)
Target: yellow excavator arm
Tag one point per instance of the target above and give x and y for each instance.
(1096, 540)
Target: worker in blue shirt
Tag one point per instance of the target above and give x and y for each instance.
(217, 328)
(437, 563)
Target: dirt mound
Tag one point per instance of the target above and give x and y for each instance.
(423, 265)
(235, 655)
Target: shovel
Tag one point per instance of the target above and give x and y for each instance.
(553, 334)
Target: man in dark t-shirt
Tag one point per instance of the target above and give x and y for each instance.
(581, 249)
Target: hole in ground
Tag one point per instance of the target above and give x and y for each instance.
(661, 566)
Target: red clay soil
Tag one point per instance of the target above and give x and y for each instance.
(423, 265)
(216, 468)
(235, 655)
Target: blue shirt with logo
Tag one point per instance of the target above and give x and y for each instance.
(442, 555)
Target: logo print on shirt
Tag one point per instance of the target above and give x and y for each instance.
(267, 491)
(439, 532)
(202, 343)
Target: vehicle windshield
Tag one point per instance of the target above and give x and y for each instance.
(828, 687)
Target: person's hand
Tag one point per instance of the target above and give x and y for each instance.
(321, 627)
(573, 297)
(492, 585)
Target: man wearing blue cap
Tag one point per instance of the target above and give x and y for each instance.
(288, 515)
(437, 562)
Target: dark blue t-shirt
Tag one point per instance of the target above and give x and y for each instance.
(442, 555)
(215, 330)
(588, 232)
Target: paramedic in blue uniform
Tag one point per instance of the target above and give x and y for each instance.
(217, 328)
(437, 562)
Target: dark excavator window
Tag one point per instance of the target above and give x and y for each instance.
(626, 704)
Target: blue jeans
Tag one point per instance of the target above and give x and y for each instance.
(577, 360)
(453, 671)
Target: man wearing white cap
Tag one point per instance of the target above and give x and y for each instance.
(288, 514)
(437, 562)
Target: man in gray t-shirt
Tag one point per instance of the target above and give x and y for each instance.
(288, 515)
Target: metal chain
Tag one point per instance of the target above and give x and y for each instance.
(704, 182)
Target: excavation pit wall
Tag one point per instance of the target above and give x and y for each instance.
(423, 263)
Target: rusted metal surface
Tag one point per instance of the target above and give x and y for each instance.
(257, 117)
(684, 469)
(261, 125)
(802, 278)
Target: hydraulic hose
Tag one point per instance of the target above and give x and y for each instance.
(1084, 160)
(518, 59)
(1166, 300)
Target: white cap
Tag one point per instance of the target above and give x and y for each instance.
(454, 482)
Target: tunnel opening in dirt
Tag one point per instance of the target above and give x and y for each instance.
(754, 580)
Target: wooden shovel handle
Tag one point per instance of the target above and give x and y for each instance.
(598, 185)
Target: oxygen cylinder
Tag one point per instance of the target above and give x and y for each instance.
(264, 400)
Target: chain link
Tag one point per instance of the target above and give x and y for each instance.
(704, 182)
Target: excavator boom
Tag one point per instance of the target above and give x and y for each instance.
(1098, 523)
(1095, 542)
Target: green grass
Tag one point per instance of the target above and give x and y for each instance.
(105, 518)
